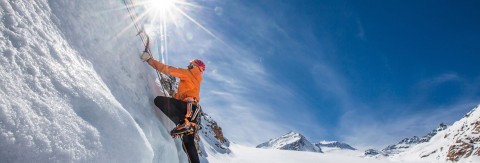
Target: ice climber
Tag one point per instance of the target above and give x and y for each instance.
(183, 109)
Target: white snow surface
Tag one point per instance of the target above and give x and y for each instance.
(243, 154)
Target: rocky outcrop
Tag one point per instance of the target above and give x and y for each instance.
(218, 132)
(212, 136)
(466, 144)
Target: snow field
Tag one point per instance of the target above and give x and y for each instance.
(241, 154)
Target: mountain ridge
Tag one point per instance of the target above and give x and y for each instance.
(404, 144)
(459, 142)
(335, 145)
(297, 142)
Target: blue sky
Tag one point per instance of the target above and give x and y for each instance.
(364, 72)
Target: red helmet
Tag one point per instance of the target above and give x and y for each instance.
(198, 63)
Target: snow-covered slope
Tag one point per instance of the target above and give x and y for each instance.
(327, 146)
(404, 144)
(72, 88)
(290, 141)
(458, 143)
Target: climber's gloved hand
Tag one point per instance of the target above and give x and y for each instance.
(145, 56)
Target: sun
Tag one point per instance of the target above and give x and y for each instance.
(162, 10)
(164, 13)
(162, 4)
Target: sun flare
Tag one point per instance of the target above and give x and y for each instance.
(162, 4)
(160, 16)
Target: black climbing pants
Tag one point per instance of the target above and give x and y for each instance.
(176, 110)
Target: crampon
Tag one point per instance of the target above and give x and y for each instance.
(186, 128)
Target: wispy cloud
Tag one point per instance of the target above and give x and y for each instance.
(331, 82)
(244, 95)
(440, 79)
(361, 30)
(241, 102)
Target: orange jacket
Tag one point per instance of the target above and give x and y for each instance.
(190, 79)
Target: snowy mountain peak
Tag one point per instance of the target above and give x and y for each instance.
(334, 145)
(293, 135)
(290, 141)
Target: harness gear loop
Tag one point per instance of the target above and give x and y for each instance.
(190, 101)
